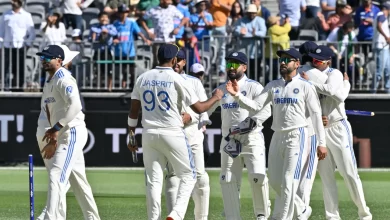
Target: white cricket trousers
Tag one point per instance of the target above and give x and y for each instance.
(310, 162)
(284, 171)
(68, 165)
(253, 157)
(201, 192)
(341, 155)
(162, 145)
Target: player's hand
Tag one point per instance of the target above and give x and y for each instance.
(151, 35)
(132, 145)
(325, 120)
(218, 93)
(232, 87)
(304, 75)
(175, 31)
(50, 135)
(186, 118)
(49, 150)
(346, 76)
(322, 152)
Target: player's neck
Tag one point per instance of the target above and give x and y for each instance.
(52, 72)
(166, 65)
(290, 76)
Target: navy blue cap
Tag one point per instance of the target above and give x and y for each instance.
(181, 54)
(322, 53)
(238, 56)
(123, 8)
(290, 51)
(307, 47)
(167, 51)
(53, 51)
(386, 5)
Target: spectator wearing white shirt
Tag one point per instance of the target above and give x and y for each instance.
(16, 31)
(53, 29)
(381, 47)
(73, 13)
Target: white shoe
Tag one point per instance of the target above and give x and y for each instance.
(173, 216)
(261, 217)
(42, 215)
(306, 214)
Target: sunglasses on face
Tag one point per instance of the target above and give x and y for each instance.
(46, 59)
(319, 62)
(286, 60)
(232, 65)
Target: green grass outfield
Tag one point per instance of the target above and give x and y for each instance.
(120, 194)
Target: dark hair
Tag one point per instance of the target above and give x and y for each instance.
(102, 13)
(348, 25)
(306, 58)
(162, 61)
(56, 24)
(233, 13)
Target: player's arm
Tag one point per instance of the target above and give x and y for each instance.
(261, 116)
(259, 98)
(204, 117)
(313, 105)
(342, 94)
(69, 91)
(200, 107)
(333, 84)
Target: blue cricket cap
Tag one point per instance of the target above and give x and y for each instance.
(181, 54)
(52, 51)
(322, 53)
(307, 47)
(238, 56)
(167, 51)
(291, 52)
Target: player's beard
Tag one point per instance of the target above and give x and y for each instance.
(285, 70)
(234, 74)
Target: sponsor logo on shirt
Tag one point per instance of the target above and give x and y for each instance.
(230, 105)
(50, 100)
(285, 101)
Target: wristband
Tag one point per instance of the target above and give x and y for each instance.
(56, 127)
(132, 122)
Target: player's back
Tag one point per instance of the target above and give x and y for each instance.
(162, 92)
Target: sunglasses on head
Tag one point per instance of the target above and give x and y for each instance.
(47, 59)
(232, 65)
(319, 62)
(286, 60)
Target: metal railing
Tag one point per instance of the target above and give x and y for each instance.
(98, 69)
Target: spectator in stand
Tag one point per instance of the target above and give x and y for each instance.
(125, 45)
(364, 18)
(186, 13)
(111, 8)
(341, 42)
(278, 33)
(381, 45)
(343, 14)
(312, 8)
(73, 13)
(145, 5)
(292, 10)
(328, 7)
(316, 23)
(202, 23)
(247, 28)
(17, 34)
(164, 31)
(53, 30)
(101, 35)
(261, 10)
(220, 10)
(236, 14)
(77, 67)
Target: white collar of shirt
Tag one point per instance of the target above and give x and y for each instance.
(293, 78)
(242, 80)
(163, 67)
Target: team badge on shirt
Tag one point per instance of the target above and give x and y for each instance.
(69, 89)
(296, 91)
(243, 93)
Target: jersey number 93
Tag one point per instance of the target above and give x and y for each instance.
(150, 100)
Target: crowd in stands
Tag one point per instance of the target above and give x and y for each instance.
(122, 29)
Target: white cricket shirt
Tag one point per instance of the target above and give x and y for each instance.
(290, 101)
(331, 105)
(161, 92)
(236, 109)
(55, 99)
(197, 120)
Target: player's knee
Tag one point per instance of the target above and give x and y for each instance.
(257, 178)
(203, 181)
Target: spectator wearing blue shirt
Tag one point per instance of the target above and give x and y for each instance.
(292, 10)
(364, 18)
(101, 35)
(184, 9)
(125, 46)
(249, 27)
(202, 23)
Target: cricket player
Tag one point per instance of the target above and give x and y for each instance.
(44, 125)
(291, 97)
(65, 139)
(160, 93)
(338, 139)
(236, 110)
(193, 129)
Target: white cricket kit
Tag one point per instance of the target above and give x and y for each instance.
(309, 158)
(340, 146)
(162, 93)
(233, 111)
(60, 100)
(194, 134)
(290, 102)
